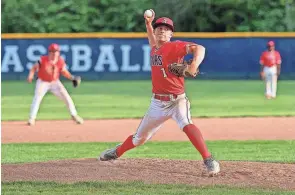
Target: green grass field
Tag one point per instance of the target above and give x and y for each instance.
(113, 188)
(268, 151)
(123, 99)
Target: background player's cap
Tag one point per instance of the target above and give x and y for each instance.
(164, 21)
(53, 47)
(270, 43)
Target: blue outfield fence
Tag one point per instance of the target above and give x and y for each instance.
(126, 56)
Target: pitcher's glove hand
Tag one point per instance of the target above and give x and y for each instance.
(181, 69)
(76, 80)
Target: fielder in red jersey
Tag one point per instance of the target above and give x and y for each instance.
(48, 72)
(169, 100)
(270, 61)
(49, 68)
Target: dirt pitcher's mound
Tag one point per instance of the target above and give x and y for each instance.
(251, 174)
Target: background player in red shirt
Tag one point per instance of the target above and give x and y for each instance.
(169, 99)
(49, 69)
(270, 62)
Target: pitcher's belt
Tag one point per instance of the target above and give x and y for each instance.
(165, 97)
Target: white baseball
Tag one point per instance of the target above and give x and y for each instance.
(148, 13)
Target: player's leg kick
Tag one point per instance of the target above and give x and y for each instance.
(58, 89)
(159, 112)
(150, 124)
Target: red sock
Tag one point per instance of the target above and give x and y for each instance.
(195, 136)
(127, 145)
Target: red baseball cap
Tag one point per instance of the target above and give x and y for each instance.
(271, 43)
(164, 21)
(53, 47)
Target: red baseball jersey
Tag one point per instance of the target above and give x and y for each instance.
(270, 58)
(163, 81)
(49, 71)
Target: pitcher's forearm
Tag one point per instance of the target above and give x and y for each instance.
(151, 36)
(198, 56)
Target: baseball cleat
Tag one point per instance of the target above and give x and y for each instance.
(268, 97)
(31, 122)
(109, 154)
(212, 166)
(78, 119)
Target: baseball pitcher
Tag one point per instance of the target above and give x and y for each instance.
(168, 100)
(270, 62)
(49, 69)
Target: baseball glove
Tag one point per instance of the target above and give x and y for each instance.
(181, 69)
(76, 81)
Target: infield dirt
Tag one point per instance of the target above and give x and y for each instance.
(245, 174)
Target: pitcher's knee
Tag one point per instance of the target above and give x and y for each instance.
(137, 141)
(184, 123)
